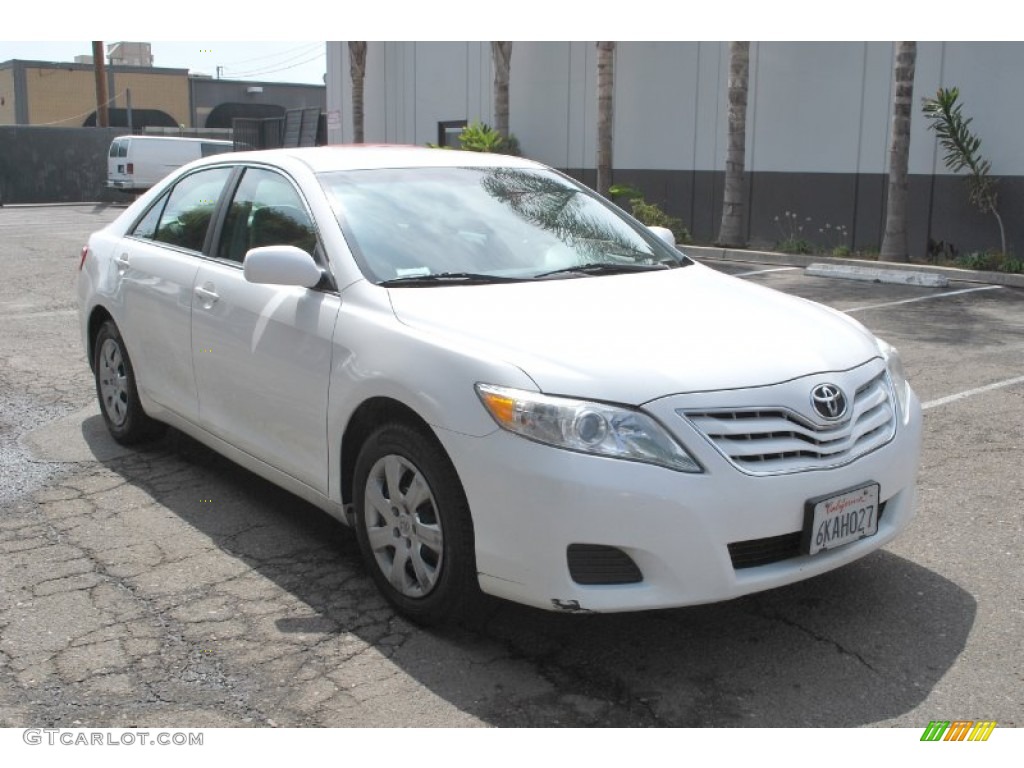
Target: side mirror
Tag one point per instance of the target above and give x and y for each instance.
(665, 234)
(281, 265)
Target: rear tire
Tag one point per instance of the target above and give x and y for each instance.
(115, 388)
(413, 525)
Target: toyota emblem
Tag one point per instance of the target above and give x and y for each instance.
(829, 401)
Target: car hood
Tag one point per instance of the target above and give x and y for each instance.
(637, 337)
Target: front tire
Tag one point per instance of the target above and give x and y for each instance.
(413, 525)
(115, 388)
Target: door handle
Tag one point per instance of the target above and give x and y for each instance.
(206, 295)
(121, 261)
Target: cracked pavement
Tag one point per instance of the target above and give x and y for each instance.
(167, 587)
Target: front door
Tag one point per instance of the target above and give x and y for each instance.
(262, 353)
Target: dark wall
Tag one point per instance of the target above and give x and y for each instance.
(938, 207)
(208, 94)
(55, 165)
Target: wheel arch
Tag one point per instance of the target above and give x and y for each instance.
(370, 414)
(97, 318)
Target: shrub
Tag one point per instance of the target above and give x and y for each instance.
(623, 192)
(794, 245)
(989, 261)
(480, 137)
(651, 215)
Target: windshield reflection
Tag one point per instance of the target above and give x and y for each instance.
(504, 222)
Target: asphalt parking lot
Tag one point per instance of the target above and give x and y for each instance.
(167, 587)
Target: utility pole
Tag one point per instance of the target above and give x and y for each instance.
(102, 116)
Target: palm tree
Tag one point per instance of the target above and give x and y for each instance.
(894, 243)
(605, 112)
(502, 55)
(730, 233)
(357, 67)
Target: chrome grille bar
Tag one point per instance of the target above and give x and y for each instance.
(777, 440)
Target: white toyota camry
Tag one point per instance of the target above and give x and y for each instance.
(502, 382)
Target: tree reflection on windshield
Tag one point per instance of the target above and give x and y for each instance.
(574, 218)
(517, 222)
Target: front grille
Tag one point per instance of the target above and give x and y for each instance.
(600, 564)
(772, 549)
(768, 441)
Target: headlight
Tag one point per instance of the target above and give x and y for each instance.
(579, 425)
(894, 363)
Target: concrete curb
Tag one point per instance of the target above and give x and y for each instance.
(702, 252)
(876, 275)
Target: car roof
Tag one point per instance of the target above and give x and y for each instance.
(350, 157)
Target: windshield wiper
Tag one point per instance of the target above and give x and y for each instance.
(603, 269)
(448, 278)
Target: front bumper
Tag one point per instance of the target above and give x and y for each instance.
(530, 502)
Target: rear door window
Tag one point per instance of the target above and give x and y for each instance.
(186, 217)
(146, 226)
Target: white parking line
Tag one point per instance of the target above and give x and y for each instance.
(762, 271)
(41, 313)
(924, 298)
(970, 392)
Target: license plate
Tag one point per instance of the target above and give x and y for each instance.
(832, 521)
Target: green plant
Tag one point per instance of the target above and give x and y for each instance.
(834, 238)
(651, 215)
(480, 137)
(623, 192)
(989, 261)
(646, 213)
(945, 117)
(791, 230)
(794, 245)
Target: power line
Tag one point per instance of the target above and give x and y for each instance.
(305, 47)
(89, 111)
(276, 68)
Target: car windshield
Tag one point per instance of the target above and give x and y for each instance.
(445, 226)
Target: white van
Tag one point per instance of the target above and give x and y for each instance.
(136, 163)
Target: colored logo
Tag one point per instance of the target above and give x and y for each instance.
(958, 730)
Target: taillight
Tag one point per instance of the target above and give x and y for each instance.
(85, 252)
(131, 167)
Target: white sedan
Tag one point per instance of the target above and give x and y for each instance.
(502, 382)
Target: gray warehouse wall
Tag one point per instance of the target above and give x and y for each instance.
(818, 123)
(55, 165)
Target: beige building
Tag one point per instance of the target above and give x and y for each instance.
(7, 102)
(64, 94)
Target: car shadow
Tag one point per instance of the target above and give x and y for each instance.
(860, 645)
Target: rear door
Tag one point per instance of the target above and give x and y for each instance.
(262, 353)
(117, 164)
(155, 266)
